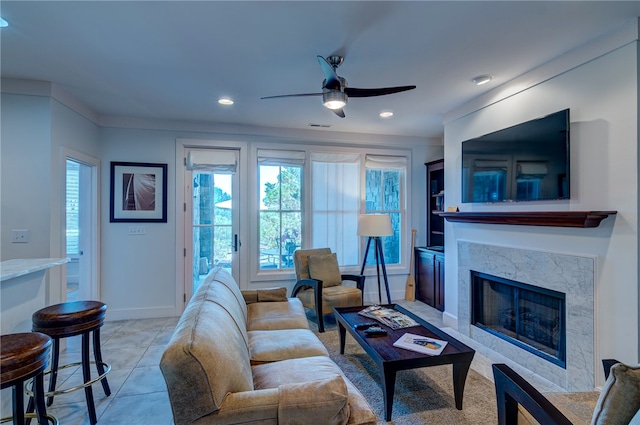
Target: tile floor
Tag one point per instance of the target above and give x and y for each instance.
(138, 392)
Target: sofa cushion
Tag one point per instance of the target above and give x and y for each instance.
(334, 296)
(276, 345)
(323, 400)
(620, 397)
(264, 295)
(272, 294)
(276, 315)
(325, 268)
(299, 371)
(301, 260)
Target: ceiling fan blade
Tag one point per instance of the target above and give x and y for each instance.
(338, 112)
(354, 92)
(292, 95)
(330, 76)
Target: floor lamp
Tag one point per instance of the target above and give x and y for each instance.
(374, 226)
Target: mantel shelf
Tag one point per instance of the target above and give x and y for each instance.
(532, 218)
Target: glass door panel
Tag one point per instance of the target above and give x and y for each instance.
(214, 239)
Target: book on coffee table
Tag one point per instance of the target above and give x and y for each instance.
(421, 344)
(389, 317)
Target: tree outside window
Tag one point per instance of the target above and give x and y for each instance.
(384, 196)
(280, 218)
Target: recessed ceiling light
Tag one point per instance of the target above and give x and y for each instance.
(225, 101)
(3, 23)
(386, 114)
(481, 79)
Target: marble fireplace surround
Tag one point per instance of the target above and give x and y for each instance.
(570, 274)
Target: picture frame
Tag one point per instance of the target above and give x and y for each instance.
(138, 192)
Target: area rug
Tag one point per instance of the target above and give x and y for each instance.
(422, 396)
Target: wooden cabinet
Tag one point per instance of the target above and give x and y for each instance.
(429, 276)
(435, 204)
(429, 260)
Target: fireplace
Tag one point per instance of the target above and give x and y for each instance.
(527, 316)
(569, 274)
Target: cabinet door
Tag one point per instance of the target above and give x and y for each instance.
(425, 277)
(439, 282)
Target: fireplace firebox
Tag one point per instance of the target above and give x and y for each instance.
(530, 317)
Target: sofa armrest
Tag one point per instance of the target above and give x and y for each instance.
(513, 390)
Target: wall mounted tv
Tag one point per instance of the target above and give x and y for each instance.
(526, 162)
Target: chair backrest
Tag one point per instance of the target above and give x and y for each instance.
(301, 260)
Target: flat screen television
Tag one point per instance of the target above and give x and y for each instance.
(526, 162)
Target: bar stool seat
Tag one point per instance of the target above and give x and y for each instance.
(67, 320)
(25, 356)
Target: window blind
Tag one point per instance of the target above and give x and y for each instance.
(216, 160)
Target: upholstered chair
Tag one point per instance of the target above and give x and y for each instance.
(618, 403)
(320, 284)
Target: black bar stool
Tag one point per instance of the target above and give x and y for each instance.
(66, 320)
(25, 356)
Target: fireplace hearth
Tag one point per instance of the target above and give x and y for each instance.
(525, 315)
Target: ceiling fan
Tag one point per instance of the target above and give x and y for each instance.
(335, 91)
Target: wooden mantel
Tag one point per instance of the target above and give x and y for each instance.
(532, 218)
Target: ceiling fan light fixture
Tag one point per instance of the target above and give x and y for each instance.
(225, 101)
(481, 79)
(334, 99)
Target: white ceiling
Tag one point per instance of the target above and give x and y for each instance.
(172, 60)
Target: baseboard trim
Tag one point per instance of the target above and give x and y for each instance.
(449, 320)
(140, 313)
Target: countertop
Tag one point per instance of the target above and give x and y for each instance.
(10, 269)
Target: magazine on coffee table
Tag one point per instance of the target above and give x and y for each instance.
(421, 344)
(389, 317)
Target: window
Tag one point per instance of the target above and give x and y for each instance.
(342, 185)
(385, 195)
(336, 204)
(280, 218)
(72, 214)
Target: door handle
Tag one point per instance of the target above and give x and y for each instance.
(235, 243)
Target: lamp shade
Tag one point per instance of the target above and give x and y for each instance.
(374, 225)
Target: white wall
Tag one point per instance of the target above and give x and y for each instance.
(35, 127)
(138, 272)
(69, 131)
(602, 95)
(25, 154)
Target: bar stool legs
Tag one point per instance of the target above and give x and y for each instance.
(55, 358)
(97, 353)
(66, 320)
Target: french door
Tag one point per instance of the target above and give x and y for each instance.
(212, 211)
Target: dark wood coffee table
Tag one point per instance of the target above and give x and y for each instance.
(391, 359)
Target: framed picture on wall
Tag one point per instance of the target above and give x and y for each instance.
(138, 192)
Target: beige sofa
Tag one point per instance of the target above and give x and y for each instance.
(248, 357)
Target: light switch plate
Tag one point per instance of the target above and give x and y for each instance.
(19, 236)
(137, 230)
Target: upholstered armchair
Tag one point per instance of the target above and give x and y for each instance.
(618, 403)
(320, 284)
